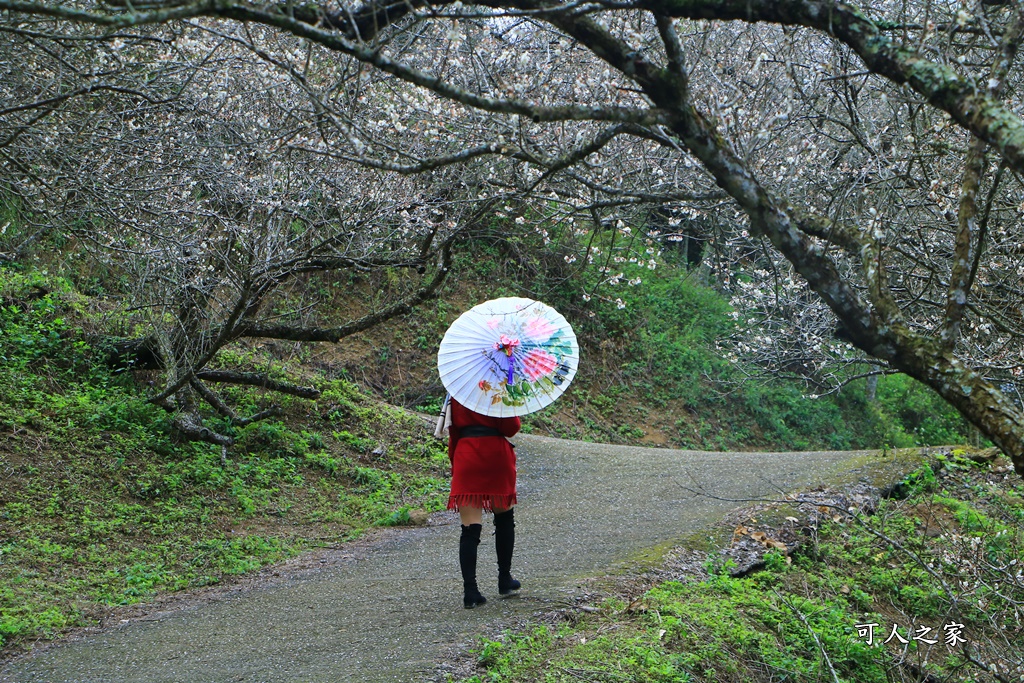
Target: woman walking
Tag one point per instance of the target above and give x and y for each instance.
(505, 357)
(483, 478)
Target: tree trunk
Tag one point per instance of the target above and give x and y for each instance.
(871, 390)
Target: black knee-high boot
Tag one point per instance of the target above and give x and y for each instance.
(468, 543)
(504, 544)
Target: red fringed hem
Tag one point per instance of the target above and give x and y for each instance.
(486, 501)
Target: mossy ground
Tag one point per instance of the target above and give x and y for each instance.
(947, 557)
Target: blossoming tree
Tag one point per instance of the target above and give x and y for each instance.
(871, 155)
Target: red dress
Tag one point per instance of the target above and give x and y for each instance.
(483, 467)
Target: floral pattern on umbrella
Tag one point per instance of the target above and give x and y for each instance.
(508, 356)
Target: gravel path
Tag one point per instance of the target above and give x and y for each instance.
(386, 613)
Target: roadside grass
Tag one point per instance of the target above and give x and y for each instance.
(100, 506)
(944, 560)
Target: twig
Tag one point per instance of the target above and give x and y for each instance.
(257, 380)
(817, 641)
(589, 674)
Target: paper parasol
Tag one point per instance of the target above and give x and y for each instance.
(509, 356)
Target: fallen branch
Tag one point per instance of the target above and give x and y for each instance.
(272, 411)
(224, 409)
(213, 399)
(191, 428)
(821, 648)
(255, 380)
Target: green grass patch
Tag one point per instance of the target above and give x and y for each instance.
(935, 559)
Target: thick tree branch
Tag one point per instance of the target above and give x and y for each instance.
(970, 104)
(967, 228)
(165, 12)
(376, 58)
(878, 329)
(598, 142)
(213, 399)
(983, 225)
(224, 409)
(191, 427)
(256, 380)
(422, 165)
(223, 336)
(335, 334)
(880, 332)
(352, 47)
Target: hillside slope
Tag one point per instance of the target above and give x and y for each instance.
(653, 371)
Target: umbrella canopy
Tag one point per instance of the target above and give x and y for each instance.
(507, 357)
